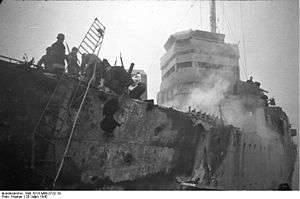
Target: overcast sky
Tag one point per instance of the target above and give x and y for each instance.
(139, 30)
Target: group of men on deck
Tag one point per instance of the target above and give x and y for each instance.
(115, 78)
(54, 59)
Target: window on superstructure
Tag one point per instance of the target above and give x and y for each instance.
(169, 72)
(203, 65)
(182, 43)
(184, 65)
(219, 66)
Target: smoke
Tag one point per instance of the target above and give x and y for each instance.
(209, 95)
(205, 95)
(246, 113)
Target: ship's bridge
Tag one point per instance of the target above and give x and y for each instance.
(191, 58)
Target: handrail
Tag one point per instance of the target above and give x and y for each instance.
(11, 59)
(16, 60)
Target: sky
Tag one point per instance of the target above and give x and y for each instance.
(138, 29)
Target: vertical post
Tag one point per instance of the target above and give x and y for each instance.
(131, 68)
(221, 115)
(121, 60)
(213, 24)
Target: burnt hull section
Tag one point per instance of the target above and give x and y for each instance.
(23, 93)
(147, 145)
(142, 147)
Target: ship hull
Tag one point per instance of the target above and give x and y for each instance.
(152, 148)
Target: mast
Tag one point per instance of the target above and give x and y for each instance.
(213, 25)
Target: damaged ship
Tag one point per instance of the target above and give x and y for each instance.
(53, 135)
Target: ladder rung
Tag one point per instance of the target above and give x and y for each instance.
(76, 99)
(97, 25)
(84, 52)
(64, 108)
(98, 29)
(81, 53)
(100, 24)
(50, 111)
(88, 46)
(94, 32)
(85, 49)
(61, 84)
(60, 107)
(45, 161)
(97, 21)
(59, 118)
(50, 126)
(46, 139)
(90, 41)
(92, 37)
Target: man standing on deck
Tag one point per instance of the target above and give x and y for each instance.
(73, 67)
(46, 60)
(250, 80)
(59, 55)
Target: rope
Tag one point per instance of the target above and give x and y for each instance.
(179, 23)
(100, 45)
(223, 18)
(73, 127)
(243, 40)
(174, 29)
(228, 23)
(200, 15)
(243, 66)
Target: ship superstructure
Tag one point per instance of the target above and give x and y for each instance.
(191, 58)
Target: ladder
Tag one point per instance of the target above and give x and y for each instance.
(46, 125)
(93, 39)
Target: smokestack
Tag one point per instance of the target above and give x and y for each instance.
(213, 25)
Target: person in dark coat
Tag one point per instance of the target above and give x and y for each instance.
(73, 67)
(250, 80)
(46, 60)
(59, 53)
